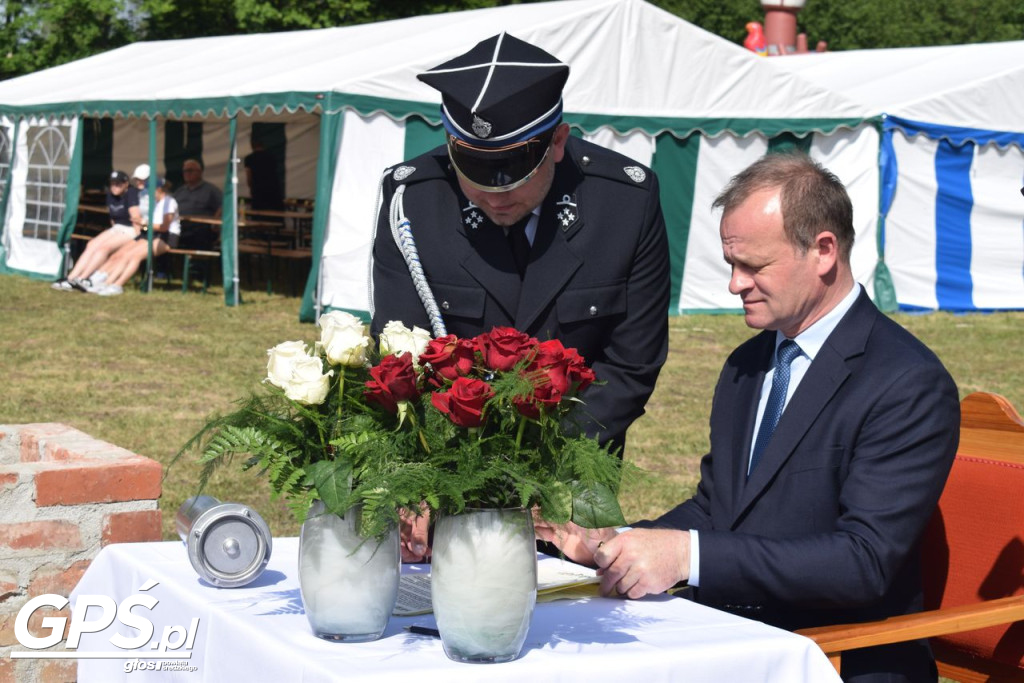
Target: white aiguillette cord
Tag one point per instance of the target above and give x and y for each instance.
(401, 230)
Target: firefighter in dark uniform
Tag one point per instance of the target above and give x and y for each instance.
(515, 223)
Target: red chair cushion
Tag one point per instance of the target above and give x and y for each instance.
(974, 550)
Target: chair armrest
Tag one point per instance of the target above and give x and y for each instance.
(841, 637)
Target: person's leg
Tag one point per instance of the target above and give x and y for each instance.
(128, 263)
(97, 251)
(124, 260)
(133, 257)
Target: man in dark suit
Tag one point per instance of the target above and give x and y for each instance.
(517, 224)
(818, 520)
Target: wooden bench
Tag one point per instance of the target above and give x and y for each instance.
(188, 255)
(972, 559)
(272, 250)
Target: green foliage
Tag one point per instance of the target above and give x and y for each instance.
(335, 452)
(909, 23)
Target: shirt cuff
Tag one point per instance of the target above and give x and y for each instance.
(694, 579)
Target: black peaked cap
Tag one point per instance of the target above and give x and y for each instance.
(503, 81)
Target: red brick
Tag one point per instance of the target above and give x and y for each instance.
(132, 527)
(29, 448)
(58, 582)
(47, 534)
(59, 671)
(7, 671)
(96, 481)
(8, 480)
(35, 624)
(9, 589)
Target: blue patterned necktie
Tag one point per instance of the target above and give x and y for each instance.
(787, 351)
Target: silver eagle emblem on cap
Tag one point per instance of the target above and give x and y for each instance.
(481, 128)
(635, 173)
(403, 172)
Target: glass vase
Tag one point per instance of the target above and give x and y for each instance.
(484, 583)
(348, 583)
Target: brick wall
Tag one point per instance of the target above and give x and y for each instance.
(63, 496)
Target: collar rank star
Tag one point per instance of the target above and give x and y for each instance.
(568, 214)
(472, 216)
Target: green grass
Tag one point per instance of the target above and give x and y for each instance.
(144, 371)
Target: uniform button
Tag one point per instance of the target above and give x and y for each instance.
(593, 310)
(445, 305)
(585, 160)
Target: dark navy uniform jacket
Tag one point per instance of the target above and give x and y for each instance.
(597, 279)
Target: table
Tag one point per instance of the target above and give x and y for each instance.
(259, 633)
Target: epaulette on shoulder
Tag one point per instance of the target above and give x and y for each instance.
(429, 166)
(594, 160)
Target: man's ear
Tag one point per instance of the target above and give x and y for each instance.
(826, 248)
(558, 141)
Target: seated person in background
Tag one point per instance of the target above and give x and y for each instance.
(197, 198)
(140, 180)
(832, 433)
(124, 262)
(123, 205)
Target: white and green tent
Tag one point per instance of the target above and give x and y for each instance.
(688, 103)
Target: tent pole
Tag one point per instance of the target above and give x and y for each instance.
(151, 190)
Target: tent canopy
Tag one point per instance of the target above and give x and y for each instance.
(634, 66)
(692, 105)
(977, 89)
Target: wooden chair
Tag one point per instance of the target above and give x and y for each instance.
(973, 559)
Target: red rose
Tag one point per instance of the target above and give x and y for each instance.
(449, 356)
(503, 347)
(550, 362)
(544, 396)
(394, 380)
(579, 374)
(464, 402)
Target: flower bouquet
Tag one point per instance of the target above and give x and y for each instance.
(358, 434)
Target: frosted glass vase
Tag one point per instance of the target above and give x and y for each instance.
(348, 583)
(484, 583)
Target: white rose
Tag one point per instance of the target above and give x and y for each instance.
(308, 382)
(396, 339)
(282, 358)
(344, 339)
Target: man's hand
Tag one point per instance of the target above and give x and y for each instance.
(576, 542)
(414, 530)
(641, 562)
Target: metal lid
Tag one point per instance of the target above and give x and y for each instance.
(229, 545)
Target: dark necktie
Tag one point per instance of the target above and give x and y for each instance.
(519, 244)
(787, 351)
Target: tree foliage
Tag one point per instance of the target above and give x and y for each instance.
(38, 34)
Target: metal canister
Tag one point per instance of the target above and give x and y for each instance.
(229, 544)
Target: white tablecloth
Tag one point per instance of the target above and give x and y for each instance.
(259, 633)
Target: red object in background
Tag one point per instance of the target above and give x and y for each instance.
(755, 41)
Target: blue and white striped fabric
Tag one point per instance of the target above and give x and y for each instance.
(954, 231)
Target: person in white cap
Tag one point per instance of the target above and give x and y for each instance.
(125, 219)
(140, 180)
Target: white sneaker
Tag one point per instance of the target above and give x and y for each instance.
(62, 285)
(108, 290)
(81, 284)
(98, 278)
